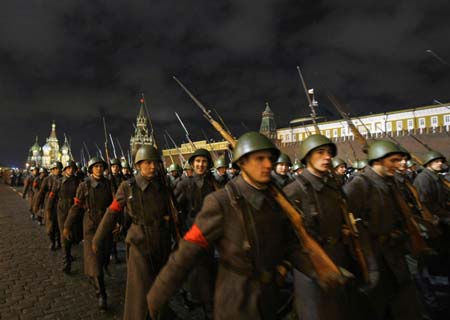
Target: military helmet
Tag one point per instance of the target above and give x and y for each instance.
(410, 163)
(253, 141)
(147, 152)
(406, 152)
(221, 162)
(297, 165)
(284, 158)
(42, 170)
(56, 164)
(383, 148)
(312, 142)
(95, 160)
(187, 166)
(174, 167)
(201, 153)
(69, 163)
(432, 155)
(33, 168)
(115, 161)
(124, 164)
(363, 163)
(336, 162)
(78, 165)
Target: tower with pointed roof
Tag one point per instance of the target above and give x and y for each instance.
(34, 154)
(141, 135)
(268, 126)
(51, 149)
(65, 151)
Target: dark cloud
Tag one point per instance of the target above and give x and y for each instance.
(74, 62)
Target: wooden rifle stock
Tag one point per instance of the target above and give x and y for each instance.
(418, 244)
(328, 273)
(356, 241)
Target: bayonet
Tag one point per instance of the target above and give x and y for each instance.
(186, 132)
(310, 102)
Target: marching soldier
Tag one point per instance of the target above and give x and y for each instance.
(36, 187)
(28, 191)
(188, 172)
(116, 179)
(339, 170)
(324, 205)
(149, 236)
(79, 172)
(280, 173)
(246, 225)
(174, 174)
(190, 194)
(93, 197)
(62, 197)
(126, 170)
(232, 171)
(297, 168)
(373, 196)
(51, 217)
(220, 172)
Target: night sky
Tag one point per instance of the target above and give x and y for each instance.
(76, 61)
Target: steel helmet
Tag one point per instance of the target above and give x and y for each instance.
(147, 152)
(432, 155)
(174, 167)
(95, 160)
(201, 153)
(383, 148)
(253, 141)
(115, 161)
(221, 162)
(336, 162)
(56, 164)
(312, 142)
(69, 163)
(284, 158)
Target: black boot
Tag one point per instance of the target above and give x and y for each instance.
(52, 243)
(67, 266)
(101, 292)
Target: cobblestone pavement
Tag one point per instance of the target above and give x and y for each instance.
(32, 284)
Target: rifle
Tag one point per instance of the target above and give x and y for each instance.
(351, 223)
(221, 120)
(113, 146)
(418, 244)
(87, 150)
(120, 148)
(369, 134)
(327, 272)
(152, 137)
(99, 151)
(186, 132)
(167, 146)
(182, 159)
(358, 136)
(108, 159)
(310, 103)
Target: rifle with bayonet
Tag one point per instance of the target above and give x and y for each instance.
(418, 244)
(328, 273)
(180, 155)
(167, 147)
(358, 136)
(310, 102)
(186, 132)
(216, 156)
(113, 146)
(120, 148)
(108, 159)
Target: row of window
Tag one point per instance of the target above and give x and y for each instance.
(377, 127)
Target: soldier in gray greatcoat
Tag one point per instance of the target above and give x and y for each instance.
(93, 197)
(149, 237)
(251, 233)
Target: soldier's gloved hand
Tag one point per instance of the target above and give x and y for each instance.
(66, 233)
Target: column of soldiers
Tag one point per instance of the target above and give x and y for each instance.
(236, 244)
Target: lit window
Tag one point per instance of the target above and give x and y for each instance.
(410, 124)
(447, 119)
(422, 123)
(389, 126)
(327, 133)
(434, 121)
(335, 132)
(399, 125)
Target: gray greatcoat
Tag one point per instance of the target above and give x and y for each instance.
(248, 252)
(148, 238)
(93, 196)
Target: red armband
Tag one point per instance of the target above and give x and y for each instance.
(35, 184)
(196, 236)
(76, 201)
(51, 194)
(115, 206)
